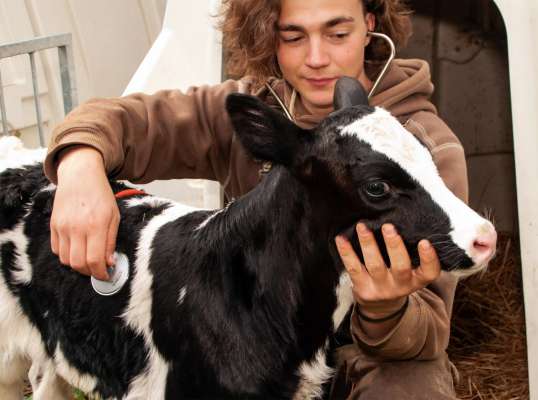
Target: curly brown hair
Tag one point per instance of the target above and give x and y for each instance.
(249, 46)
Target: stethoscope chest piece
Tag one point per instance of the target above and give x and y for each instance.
(118, 275)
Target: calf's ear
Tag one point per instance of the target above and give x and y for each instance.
(266, 133)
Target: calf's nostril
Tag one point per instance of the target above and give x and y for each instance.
(486, 242)
(481, 246)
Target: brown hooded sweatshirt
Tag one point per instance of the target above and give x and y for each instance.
(171, 134)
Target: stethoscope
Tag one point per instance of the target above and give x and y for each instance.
(387, 62)
(380, 76)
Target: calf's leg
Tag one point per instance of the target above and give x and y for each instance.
(46, 384)
(13, 372)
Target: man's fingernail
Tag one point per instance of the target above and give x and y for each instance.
(425, 245)
(388, 229)
(361, 228)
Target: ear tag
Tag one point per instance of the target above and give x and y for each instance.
(118, 275)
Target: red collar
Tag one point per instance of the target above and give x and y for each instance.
(128, 192)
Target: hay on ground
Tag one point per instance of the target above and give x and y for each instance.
(488, 344)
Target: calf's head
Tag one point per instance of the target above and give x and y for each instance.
(361, 164)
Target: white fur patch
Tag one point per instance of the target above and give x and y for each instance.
(19, 339)
(149, 201)
(387, 136)
(84, 382)
(13, 154)
(151, 383)
(22, 274)
(17, 335)
(344, 299)
(313, 375)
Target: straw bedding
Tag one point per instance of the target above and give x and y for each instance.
(488, 343)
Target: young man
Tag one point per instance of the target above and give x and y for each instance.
(290, 54)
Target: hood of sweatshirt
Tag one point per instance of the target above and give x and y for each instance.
(405, 90)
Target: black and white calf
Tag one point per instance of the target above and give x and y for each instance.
(239, 303)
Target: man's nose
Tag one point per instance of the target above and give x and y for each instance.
(317, 56)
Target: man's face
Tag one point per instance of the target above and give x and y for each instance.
(320, 41)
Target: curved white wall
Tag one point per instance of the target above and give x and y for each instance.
(521, 19)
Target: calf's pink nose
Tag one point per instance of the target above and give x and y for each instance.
(485, 244)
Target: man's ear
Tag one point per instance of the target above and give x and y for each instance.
(369, 20)
(267, 134)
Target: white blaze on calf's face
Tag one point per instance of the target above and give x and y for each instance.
(387, 136)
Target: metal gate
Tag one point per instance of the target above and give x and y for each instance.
(67, 72)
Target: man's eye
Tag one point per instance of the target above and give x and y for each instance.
(377, 189)
(339, 35)
(291, 39)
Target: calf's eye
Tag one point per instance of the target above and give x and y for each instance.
(377, 189)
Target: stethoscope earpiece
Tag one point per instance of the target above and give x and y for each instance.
(387, 63)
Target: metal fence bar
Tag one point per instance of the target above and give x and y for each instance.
(37, 44)
(5, 130)
(36, 100)
(67, 73)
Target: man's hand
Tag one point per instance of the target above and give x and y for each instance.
(381, 291)
(85, 215)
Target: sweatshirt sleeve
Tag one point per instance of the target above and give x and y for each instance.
(169, 134)
(423, 331)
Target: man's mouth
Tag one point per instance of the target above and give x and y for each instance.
(320, 82)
